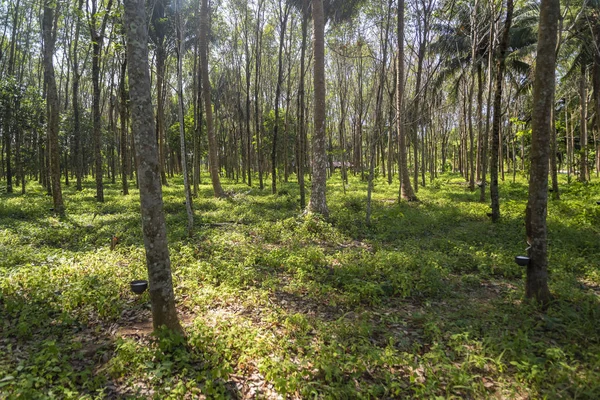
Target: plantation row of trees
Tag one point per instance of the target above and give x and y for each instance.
(383, 87)
(260, 60)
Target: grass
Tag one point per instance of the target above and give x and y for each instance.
(424, 302)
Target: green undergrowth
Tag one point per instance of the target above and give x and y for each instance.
(423, 302)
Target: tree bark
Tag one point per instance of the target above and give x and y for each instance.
(97, 41)
(257, 104)
(9, 117)
(213, 157)
(49, 26)
(247, 119)
(184, 170)
(502, 49)
(583, 137)
(76, 117)
(300, 134)
(553, 161)
(406, 190)
(123, 120)
(153, 219)
(159, 24)
(486, 133)
(377, 132)
(474, 67)
(537, 206)
(283, 21)
(318, 200)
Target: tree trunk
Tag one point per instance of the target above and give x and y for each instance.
(184, 170)
(11, 114)
(113, 132)
(406, 190)
(583, 165)
(286, 165)
(49, 26)
(503, 47)
(596, 94)
(300, 135)
(553, 161)
(537, 205)
(474, 67)
(257, 106)
(486, 133)
(390, 143)
(213, 157)
(318, 200)
(123, 120)
(159, 27)
(153, 219)
(378, 128)
(284, 17)
(76, 117)
(97, 41)
(198, 126)
(248, 73)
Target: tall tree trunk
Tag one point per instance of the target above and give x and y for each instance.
(486, 133)
(18, 129)
(378, 128)
(160, 111)
(553, 153)
(596, 94)
(197, 128)
(97, 42)
(318, 200)
(480, 155)
(153, 218)
(213, 157)
(474, 67)
(406, 190)
(184, 170)
(390, 143)
(199, 120)
(159, 27)
(286, 165)
(49, 26)
(77, 135)
(300, 135)
(9, 118)
(583, 165)
(358, 156)
(283, 23)
(248, 74)
(113, 131)
(502, 49)
(123, 120)
(257, 105)
(536, 286)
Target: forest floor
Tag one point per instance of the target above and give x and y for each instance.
(425, 301)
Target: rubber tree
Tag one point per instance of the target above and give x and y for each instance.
(154, 226)
(318, 200)
(283, 17)
(536, 286)
(213, 158)
(180, 111)
(501, 64)
(406, 190)
(97, 30)
(49, 26)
